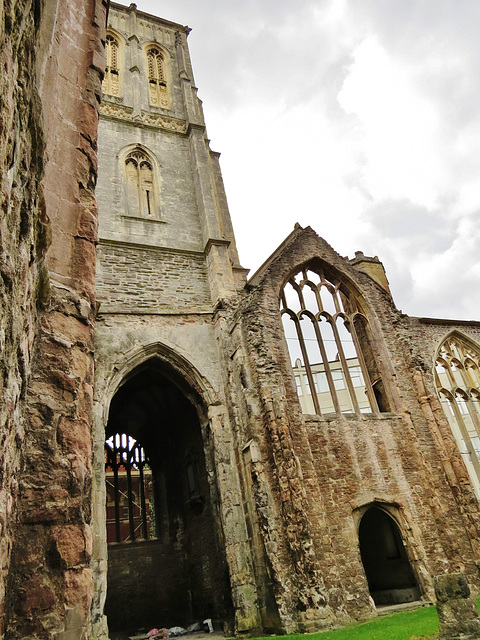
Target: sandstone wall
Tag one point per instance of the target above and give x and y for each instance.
(55, 53)
(23, 242)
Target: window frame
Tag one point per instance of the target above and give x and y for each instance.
(158, 81)
(344, 307)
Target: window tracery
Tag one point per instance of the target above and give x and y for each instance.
(457, 378)
(157, 78)
(111, 81)
(329, 344)
(130, 490)
(140, 184)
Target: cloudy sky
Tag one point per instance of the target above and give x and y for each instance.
(358, 118)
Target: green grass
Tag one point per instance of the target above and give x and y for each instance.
(395, 626)
(420, 624)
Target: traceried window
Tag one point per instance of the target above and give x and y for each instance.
(111, 81)
(457, 377)
(330, 348)
(140, 184)
(157, 80)
(130, 490)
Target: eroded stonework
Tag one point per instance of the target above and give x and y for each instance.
(179, 442)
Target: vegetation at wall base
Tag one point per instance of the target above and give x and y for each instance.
(421, 624)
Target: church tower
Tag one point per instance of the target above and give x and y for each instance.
(166, 267)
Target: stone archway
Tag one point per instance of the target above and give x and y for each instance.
(391, 579)
(171, 569)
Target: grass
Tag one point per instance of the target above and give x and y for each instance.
(420, 624)
(407, 625)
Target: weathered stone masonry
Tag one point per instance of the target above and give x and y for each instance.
(53, 54)
(262, 510)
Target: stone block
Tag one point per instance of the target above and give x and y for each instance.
(458, 616)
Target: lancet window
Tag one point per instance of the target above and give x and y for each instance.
(457, 377)
(330, 346)
(157, 79)
(130, 490)
(140, 184)
(111, 81)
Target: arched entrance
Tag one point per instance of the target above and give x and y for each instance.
(166, 562)
(390, 577)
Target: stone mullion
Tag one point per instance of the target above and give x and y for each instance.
(308, 369)
(363, 366)
(466, 437)
(473, 415)
(346, 372)
(326, 364)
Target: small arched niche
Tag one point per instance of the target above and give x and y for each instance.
(390, 576)
(166, 561)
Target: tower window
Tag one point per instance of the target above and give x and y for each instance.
(111, 81)
(329, 344)
(140, 184)
(157, 82)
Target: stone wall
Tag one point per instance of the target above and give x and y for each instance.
(134, 279)
(55, 54)
(313, 477)
(24, 240)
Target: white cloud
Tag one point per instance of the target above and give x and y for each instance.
(358, 118)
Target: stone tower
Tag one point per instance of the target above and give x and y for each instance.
(167, 266)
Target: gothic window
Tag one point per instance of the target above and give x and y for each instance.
(329, 344)
(157, 81)
(130, 491)
(111, 81)
(140, 184)
(457, 379)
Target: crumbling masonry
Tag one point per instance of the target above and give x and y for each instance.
(287, 452)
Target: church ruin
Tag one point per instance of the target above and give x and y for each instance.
(280, 452)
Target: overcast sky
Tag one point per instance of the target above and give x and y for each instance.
(359, 118)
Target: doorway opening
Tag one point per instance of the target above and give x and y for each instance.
(391, 579)
(166, 560)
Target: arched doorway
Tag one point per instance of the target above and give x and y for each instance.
(390, 577)
(166, 562)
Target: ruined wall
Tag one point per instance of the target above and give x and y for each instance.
(313, 476)
(60, 43)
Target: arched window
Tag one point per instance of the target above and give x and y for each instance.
(111, 81)
(330, 347)
(457, 379)
(140, 184)
(157, 80)
(130, 493)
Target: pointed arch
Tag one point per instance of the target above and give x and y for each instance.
(457, 381)
(111, 84)
(157, 74)
(390, 575)
(329, 342)
(140, 168)
(159, 494)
